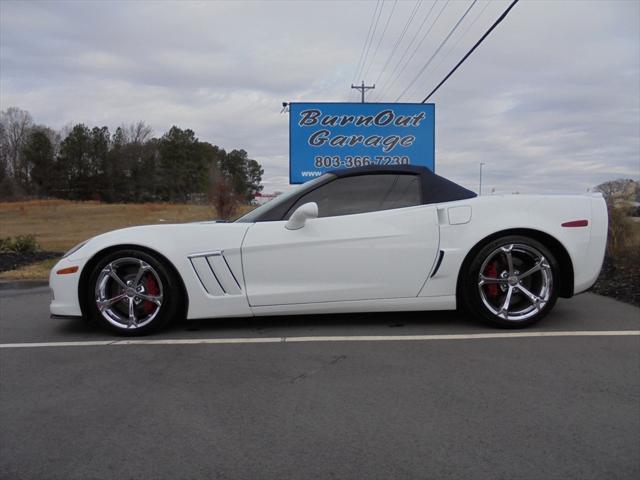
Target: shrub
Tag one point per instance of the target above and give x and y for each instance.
(223, 198)
(620, 229)
(19, 244)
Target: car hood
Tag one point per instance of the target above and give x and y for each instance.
(170, 239)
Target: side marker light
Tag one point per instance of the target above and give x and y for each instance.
(64, 271)
(576, 223)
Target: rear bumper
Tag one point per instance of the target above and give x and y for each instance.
(587, 273)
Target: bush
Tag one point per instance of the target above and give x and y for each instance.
(19, 244)
(223, 198)
(620, 229)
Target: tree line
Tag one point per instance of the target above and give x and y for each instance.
(128, 165)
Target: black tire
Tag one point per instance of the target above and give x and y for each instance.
(157, 282)
(485, 299)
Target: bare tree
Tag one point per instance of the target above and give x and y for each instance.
(15, 128)
(221, 194)
(4, 154)
(618, 190)
(138, 132)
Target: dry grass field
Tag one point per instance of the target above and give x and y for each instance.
(59, 224)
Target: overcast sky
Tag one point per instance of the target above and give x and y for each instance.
(550, 102)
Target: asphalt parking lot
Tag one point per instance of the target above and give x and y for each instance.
(442, 402)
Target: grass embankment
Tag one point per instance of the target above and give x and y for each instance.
(35, 271)
(59, 224)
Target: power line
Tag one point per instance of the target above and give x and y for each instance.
(486, 34)
(366, 41)
(397, 75)
(375, 10)
(412, 15)
(373, 34)
(461, 37)
(464, 34)
(392, 77)
(386, 25)
(424, 67)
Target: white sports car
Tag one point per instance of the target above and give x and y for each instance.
(358, 240)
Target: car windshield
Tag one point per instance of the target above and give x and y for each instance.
(279, 200)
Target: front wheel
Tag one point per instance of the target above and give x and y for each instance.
(511, 282)
(132, 293)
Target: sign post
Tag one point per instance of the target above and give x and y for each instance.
(328, 136)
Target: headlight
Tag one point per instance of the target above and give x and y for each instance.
(75, 249)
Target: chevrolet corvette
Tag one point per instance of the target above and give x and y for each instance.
(366, 239)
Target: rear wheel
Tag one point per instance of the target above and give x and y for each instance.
(511, 282)
(132, 293)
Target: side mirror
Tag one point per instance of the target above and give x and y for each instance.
(301, 215)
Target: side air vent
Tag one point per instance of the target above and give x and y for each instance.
(214, 273)
(438, 263)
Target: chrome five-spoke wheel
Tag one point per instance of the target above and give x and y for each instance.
(128, 293)
(511, 281)
(132, 292)
(515, 282)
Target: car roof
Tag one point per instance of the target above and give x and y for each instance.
(411, 169)
(435, 189)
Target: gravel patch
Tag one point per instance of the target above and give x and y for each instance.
(620, 278)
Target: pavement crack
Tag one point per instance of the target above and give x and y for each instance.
(304, 375)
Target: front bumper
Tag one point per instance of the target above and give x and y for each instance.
(65, 317)
(64, 289)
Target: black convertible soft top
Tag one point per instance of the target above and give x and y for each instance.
(435, 189)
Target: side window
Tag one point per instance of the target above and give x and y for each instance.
(363, 193)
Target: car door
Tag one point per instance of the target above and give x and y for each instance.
(373, 239)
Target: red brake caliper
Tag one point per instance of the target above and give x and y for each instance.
(152, 289)
(492, 272)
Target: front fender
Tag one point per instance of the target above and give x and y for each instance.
(175, 243)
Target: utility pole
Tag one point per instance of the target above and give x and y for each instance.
(363, 88)
(480, 188)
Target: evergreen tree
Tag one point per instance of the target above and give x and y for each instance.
(129, 166)
(37, 154)
(183, 168)
(73, 164)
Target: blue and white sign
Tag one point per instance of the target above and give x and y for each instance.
(328, 136)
